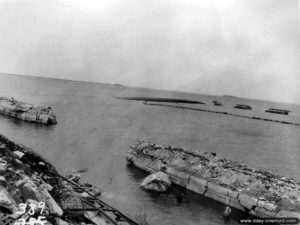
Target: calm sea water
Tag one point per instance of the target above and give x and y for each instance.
(94, 131)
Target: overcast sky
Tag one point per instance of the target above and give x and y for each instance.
(248, 48)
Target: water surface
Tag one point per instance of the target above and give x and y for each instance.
(95, 129)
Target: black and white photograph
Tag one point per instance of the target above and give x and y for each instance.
(149, 112)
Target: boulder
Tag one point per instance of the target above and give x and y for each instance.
(19, 154)
(158, 182)
(3, 166)
(30, 191)
(2, 180)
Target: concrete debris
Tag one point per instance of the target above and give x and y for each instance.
(261, 192)
(2, 180)
(19, 154)
(3, 166)
(6, 201)
(28, 179)
(158, 182)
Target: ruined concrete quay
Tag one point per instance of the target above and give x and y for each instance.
(258, 192)
(26, 112)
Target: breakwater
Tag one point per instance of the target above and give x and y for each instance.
(26, 112)
(260, 193)
(226, 113)
(171, 100)
(184, 104)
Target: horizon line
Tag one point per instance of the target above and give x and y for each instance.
(114, 84)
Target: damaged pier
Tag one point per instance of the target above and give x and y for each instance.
(261, 193)
(26, 112)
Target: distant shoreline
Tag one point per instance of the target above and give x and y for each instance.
(147, 88)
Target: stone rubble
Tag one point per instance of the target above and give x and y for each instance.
(261, 192)
(26, 178)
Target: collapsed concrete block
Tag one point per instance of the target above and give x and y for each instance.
(158, 182)
(19, 154)
(228, 178)
(263, 213)
(217, 196)
(288, 214)
(3, 166)
(234, 202)
(247, 202)
(140, 165)
(30, 191)
(6, 200)
(156, 165)
(2, 180)
(177, 177)
(218, 189)
(60, 221)
(270, 206)
(197, 185)
(93, 216)
(233, 194)
(217, 193)
(147, 161)
(51, 203)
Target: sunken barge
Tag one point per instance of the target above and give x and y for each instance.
(27, 112)
(260, 193)
(26, 179)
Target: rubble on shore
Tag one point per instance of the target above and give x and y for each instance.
(27, 112)
(26, 178)
(261, 193)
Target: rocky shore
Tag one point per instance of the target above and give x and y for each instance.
(260, 193)
(33, 192)
(27, 112)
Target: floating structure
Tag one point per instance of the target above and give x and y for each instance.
(246, 107)
(161, 103)
(230, 96)
(26, 178)
(217, 103)
(258, 192)
(278, 111)
(27, 112)
(169, 100)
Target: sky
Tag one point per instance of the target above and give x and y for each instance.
(246, 48)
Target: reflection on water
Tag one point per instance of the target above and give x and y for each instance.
(94, 131)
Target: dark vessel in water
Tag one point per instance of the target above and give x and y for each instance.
(278, 111)
(27, 112)
(239, 106)
(217, 103)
